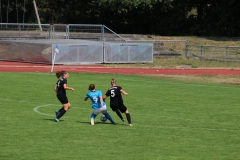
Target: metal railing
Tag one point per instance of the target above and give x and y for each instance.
(18, 31)
(214, 53)
(169, 48)
(165, 48)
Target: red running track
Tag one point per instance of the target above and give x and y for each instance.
(30, 67)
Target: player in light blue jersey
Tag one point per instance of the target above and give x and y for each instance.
(98, 104)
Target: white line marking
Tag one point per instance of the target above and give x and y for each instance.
(155, 126)
(36, 110)
(46, 105)
(169, 127)
(87, 108)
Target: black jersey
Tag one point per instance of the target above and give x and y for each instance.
(60, 88)
(115, 95)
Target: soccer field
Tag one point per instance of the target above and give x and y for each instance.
(171, 120)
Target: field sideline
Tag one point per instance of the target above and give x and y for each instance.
(31, 67)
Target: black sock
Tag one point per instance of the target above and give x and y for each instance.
(60, 110)
(119, 114)
(128, 118)
(61, 114)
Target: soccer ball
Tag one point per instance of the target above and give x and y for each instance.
(103, 118)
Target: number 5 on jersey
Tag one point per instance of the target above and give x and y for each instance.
(112, 93)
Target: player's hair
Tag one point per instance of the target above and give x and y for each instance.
(113, 81)
(60, 73)
(91, 87)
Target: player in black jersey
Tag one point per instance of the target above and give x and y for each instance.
(116, 101)
(60, 88)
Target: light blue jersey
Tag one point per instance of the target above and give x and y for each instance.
(95, 98)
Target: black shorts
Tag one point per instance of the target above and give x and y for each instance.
(120, 107)
(62, 98)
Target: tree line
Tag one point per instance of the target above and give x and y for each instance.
(155, 17)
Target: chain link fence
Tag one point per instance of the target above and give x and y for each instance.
(213, 53)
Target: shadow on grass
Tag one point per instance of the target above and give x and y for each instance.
(52, 119)
(88, 123)
(96, 123)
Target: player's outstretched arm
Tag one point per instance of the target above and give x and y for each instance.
(123, 92)
(68, 88)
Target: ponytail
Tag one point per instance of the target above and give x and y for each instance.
(60, 73)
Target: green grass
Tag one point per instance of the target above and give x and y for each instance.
(172, 120)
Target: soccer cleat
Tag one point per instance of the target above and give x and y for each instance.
(57, 113)
(92, 121)
(130, 125)
(123, 120)
(56, 120)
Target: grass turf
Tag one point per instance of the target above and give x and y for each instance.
(172, 119)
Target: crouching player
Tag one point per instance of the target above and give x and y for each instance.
(98, 105)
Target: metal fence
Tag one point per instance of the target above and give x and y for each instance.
(74, 51)
(95, 32)
(80, 53)
(128, 52)
(165, 48)
(18, 31)
(214, 53)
